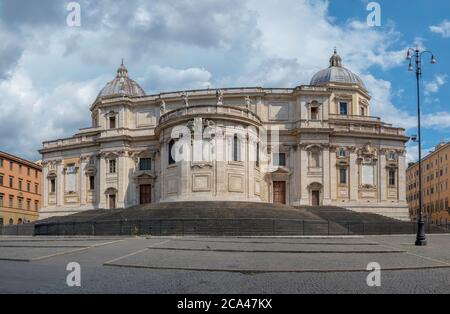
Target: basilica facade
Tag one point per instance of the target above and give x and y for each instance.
(310, 145)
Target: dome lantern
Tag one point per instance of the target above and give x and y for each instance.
(335, 60)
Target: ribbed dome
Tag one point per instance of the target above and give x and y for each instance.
(336, 73)
(122, 85)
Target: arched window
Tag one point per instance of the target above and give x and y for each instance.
(236, 148)
(19, 222)
(170, 152)
(11, 221)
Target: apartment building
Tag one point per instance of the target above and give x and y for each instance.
(20, 190)
(436, 189)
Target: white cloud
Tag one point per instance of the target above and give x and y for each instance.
(435, 85)
(437, 120)
(30, 117)
(165, 79)
(443, 29)
(382, 106)
(412, 152)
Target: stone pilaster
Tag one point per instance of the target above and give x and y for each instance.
(304, 176)
(401, 178)
(60, 184)
(354, 179)
(101, 199)
(326, 176)
(333, 176)
(45, 185)
(383, 186)
(83, 181)
(122, 179)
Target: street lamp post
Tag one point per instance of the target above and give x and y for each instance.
(416, 54)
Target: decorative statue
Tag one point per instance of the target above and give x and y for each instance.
(368, 149)
(248, 102)
(162, 108)
(219, 96)
(185, 99)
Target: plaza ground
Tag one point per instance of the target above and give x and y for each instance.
(224, 265)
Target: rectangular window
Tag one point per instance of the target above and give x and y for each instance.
(36, 205)
(28, 171)
(11, 201)
(112, 122)
(11, 165)
(28, 186)
(279, 160)
(236, 148)
(20, 185)
(342, 176)
(1, 180)
(1, 200)
(35, 173)
(112, 166)
(257, 155)
(363, 111)
(36, 188)
(343, 108)
(20, 169)
(1, 162)
(20, 202)
(52, 186)
(28, 204)
(92, 183)
(11, 182)
(145, 164)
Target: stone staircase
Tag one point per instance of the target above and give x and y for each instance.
(368, 223)
(225, 219)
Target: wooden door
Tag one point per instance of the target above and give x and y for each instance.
(112, 202)
(279, 192)
(315, 198)
(145, 194)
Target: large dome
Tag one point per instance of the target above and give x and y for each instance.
(336, 73)
(122, 85)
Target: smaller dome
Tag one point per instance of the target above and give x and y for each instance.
(122, 85)
(336, 73)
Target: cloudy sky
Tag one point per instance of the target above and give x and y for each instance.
(50, 72)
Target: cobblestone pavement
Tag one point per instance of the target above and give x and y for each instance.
(224, 265)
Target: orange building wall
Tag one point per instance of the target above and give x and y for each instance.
(27, 172)
(436, 185)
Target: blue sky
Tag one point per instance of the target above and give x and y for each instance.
(51, 73)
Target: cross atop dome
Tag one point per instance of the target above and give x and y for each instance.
(335, 60)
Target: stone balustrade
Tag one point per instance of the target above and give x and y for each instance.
(199, 110)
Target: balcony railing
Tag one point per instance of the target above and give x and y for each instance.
(354, 118)
(69, 141)
(210, 110)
